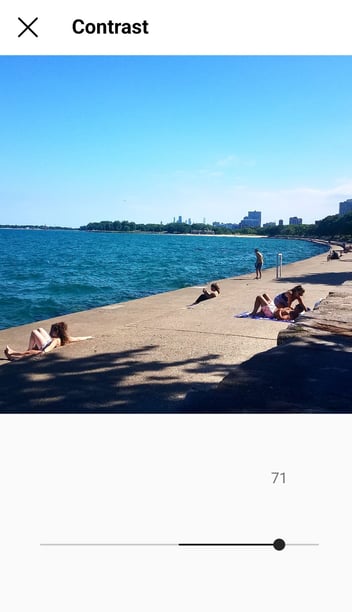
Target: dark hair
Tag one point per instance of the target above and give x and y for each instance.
(298, 289)
(59, 330)
(215, 287)
(296, 311)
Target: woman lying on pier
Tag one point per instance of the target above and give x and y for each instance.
(264, 306)
(42, 342)
(286, 299)
(206, 295)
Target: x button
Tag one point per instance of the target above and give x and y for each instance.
(28, 27)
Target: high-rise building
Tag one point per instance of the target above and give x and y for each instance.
(345, 207)
(253, 219)
(295, 221)
(179, 220)
(281, 221)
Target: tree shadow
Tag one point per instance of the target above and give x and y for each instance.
(311, 375)
(129, 381)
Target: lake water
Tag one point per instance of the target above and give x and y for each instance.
(50, 273)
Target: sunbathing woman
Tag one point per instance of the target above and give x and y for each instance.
(206, 295)
(285, 299)
(264, 306)
(42, 342)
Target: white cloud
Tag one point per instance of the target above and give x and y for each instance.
(229, 161)
(234, 161)
(309, 203)
(231, 204)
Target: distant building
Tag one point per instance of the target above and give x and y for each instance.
(189, 221)
(345, 207)
(281, 221)
(295, 221)
(269, 224)
(179, 220)
(253, 219)
(228, 225)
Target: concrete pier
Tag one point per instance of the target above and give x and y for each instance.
(154, 354)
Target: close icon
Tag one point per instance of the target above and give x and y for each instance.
(28, 27)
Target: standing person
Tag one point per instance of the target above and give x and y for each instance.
(259, 260)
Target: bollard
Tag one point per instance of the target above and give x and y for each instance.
(278, 265)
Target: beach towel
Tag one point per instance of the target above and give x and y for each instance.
(245, 315)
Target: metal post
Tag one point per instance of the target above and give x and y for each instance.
(278, 265)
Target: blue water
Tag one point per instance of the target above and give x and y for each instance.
(49, 273)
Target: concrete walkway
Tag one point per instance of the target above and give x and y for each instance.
(148, 354)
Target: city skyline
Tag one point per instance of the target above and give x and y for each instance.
(136, 138)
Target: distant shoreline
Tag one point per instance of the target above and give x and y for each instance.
(77, 229)
(102, 231)
(145, 233)
(252, 236)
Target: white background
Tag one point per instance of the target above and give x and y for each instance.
(164, 479)
(182, 27)
(158, 479)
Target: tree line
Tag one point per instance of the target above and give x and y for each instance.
(333, 227)
(168, 228)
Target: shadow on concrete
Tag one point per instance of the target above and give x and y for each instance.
(324, 278)
(305, 376)
(103, 383)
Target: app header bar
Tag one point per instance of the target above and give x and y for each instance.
(157, 27)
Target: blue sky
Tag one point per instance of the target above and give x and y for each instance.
(150, 138)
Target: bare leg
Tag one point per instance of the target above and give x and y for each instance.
(33, 340)
(259, 302)
(38, 338)
(15, 355)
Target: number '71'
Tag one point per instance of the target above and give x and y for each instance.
(279, 477)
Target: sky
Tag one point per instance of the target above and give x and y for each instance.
(150, 138)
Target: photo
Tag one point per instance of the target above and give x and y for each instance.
(136, 189)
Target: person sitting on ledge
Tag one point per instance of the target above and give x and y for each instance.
(42, 342)
(206, 295)
(286, 299)
(334, 254)
(264, 306)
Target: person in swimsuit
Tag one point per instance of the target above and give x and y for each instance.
(285, 299)
(264, 306)
(42, 342)
(259, 260)
(206, 295)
